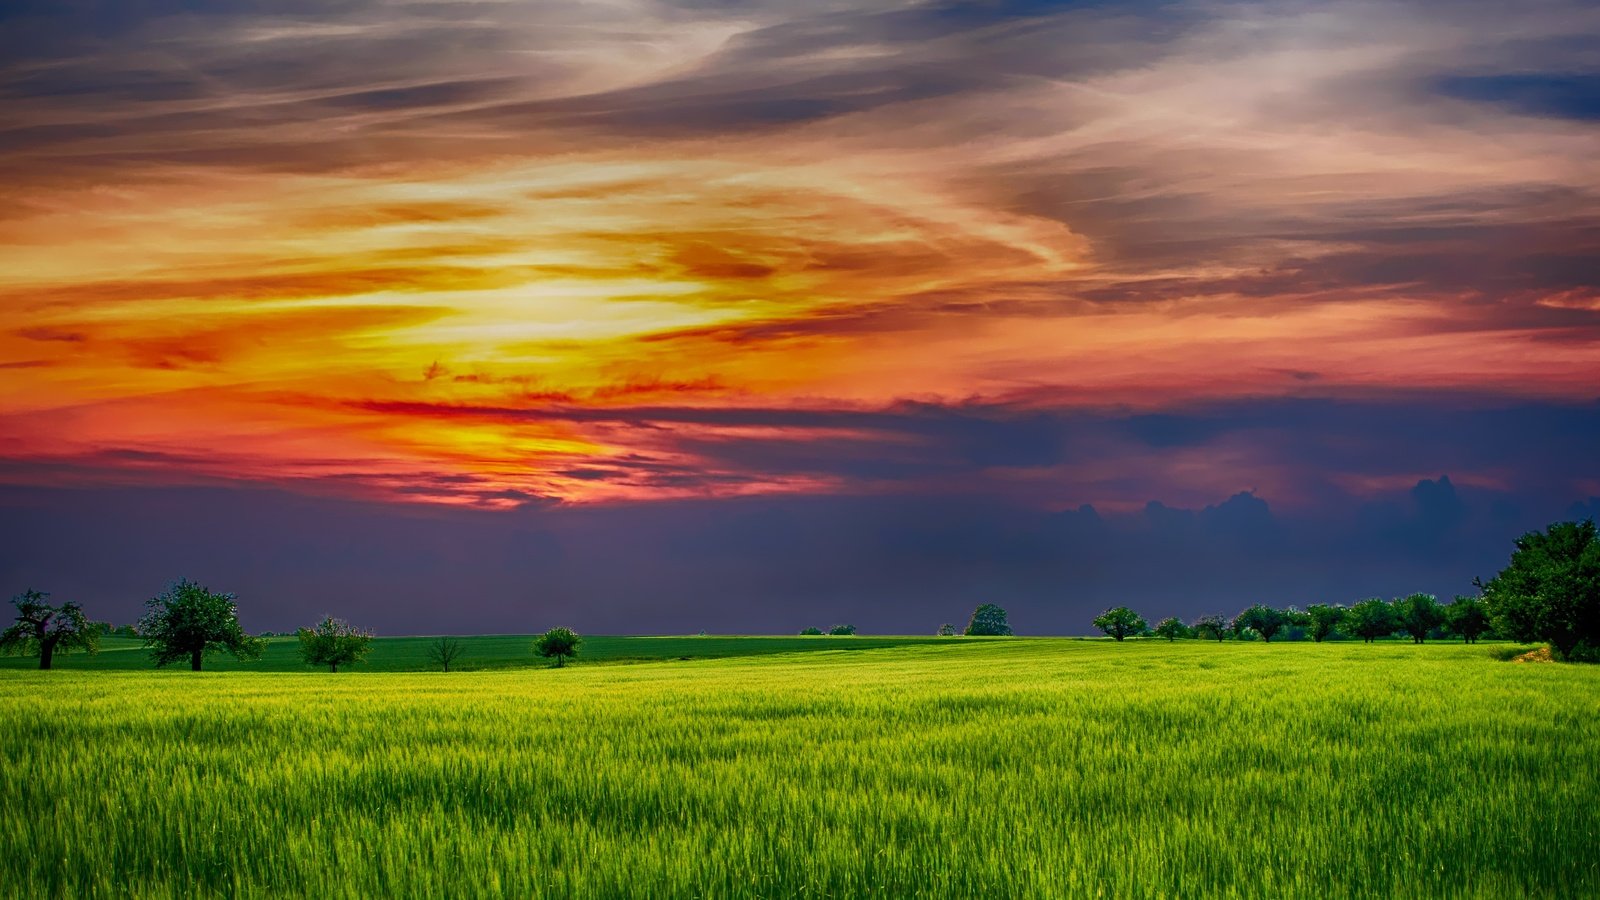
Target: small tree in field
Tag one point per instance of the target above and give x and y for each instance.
(1214, 627)
(810, 630)
(988, 620)
(333, 643)
(189, 621)
(1418, 614)
(558, 644)
(946, 630)
(44, 630)
(444, 651)
(1172, 628)
(1370, 619)
(1262, 619)
(1550, 591)
(1468, 618)
(1322, 619)
(1119, 622)
(842, 630)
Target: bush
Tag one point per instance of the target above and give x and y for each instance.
(812, 629)
(946, 630)
(842, 630)
(988, 620)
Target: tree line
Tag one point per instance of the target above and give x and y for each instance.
(191, 622)
(1417, 616)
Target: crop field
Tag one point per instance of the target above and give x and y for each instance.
(967, 768)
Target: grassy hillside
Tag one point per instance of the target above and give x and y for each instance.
(1041, 768)
(494, 651)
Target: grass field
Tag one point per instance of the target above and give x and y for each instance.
(1042, 768)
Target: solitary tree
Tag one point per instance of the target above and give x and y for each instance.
(43, 630)
(1467, 617)
(1550, 591)
(1215, 627)
(1119, 622)
(988, 620)
(946, 630)
(1369, 619)
(558, 644)
(842, 630)
(189, 621)
(1173, 628)
(1262, 619)
(1418, 614)
(333, 643)
(444, 651)
(811, 629)
(1322, 619)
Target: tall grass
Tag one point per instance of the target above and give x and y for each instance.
(1006, 768)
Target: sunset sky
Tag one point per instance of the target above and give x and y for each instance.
(669, 316)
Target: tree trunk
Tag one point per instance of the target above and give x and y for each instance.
(194, 659)
(47, 651)
(333, 667)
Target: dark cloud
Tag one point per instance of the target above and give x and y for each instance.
(1563, 94)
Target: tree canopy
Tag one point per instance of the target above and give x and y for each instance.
(1550, 591)
(1262, 619)
(1370, 619)
(1215, 627)
(558, 644)
(189, 621)
(1418, 614)
(989, 620)
(1119, 622)
(333, 643)
(43, 630)
(1468, 617)
(1172, 628)
(1322, 619)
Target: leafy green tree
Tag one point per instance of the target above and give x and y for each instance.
(1322, 619)
(1550, 591)
(1418, 614)
(989, 620)
(811, 629)
(1215, 627)
(333, 643)
(189, 621)
(1172, 628)
(1370, 619)
(444, 651)
(946, 630)
(1262, 619)
(1119, 622)
(44, 630)
(1468, 617)
(558, 644)
(842, 630)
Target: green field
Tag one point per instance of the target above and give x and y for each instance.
(979, 768)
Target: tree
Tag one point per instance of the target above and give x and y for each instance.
(558, 644)
(1468, 617)
(44, 630)
(1262, 619)
(1550, 591)
(946, 630)
(1369, 619)
(1173, 628)
(988, 620)
(444, 651)
(842, 630)
(189, 621)
(811, 629)
(1212, 627)
(333, 643)
(1119, 622)
(1418, 614)
(1323, 618)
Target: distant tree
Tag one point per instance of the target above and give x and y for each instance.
(189, 621)
(1418, 614)
(1262, 619)
(1370, 619)
(1550, 591)
(44, 630)
(1172, 628)
(946, 630)
(127, 631)
(558, 644)
(988, 620)
(1119, 622)
(1215, 627)
(842, 630)
(333, 643)
(1322, 619)
(444, 651)
(811, 629)
(1468, 617)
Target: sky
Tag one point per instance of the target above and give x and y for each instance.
(660, 317)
